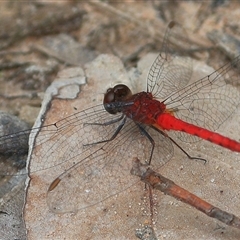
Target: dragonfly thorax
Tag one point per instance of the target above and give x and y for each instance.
(143, 108)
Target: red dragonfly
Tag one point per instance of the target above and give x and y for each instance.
(183, 107)
(90, 141)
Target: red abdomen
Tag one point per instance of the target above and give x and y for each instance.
(166, 121)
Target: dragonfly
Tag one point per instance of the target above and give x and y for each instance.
(90, 141)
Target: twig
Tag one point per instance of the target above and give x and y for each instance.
(157, 181)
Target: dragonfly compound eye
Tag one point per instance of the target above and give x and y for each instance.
(117, 94)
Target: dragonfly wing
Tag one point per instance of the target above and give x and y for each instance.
(209, 101)
(169, 72)
(63, 140)
(106, 171)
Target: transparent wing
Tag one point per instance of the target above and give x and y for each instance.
(168, 72)
(73, 143)
(207, 102)
(103, 170)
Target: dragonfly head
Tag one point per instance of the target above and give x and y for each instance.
(115, 97)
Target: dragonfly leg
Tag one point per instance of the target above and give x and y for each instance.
(190, 157)
(173, 141)
(106, 123)
(119, 128)
(146, 134)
